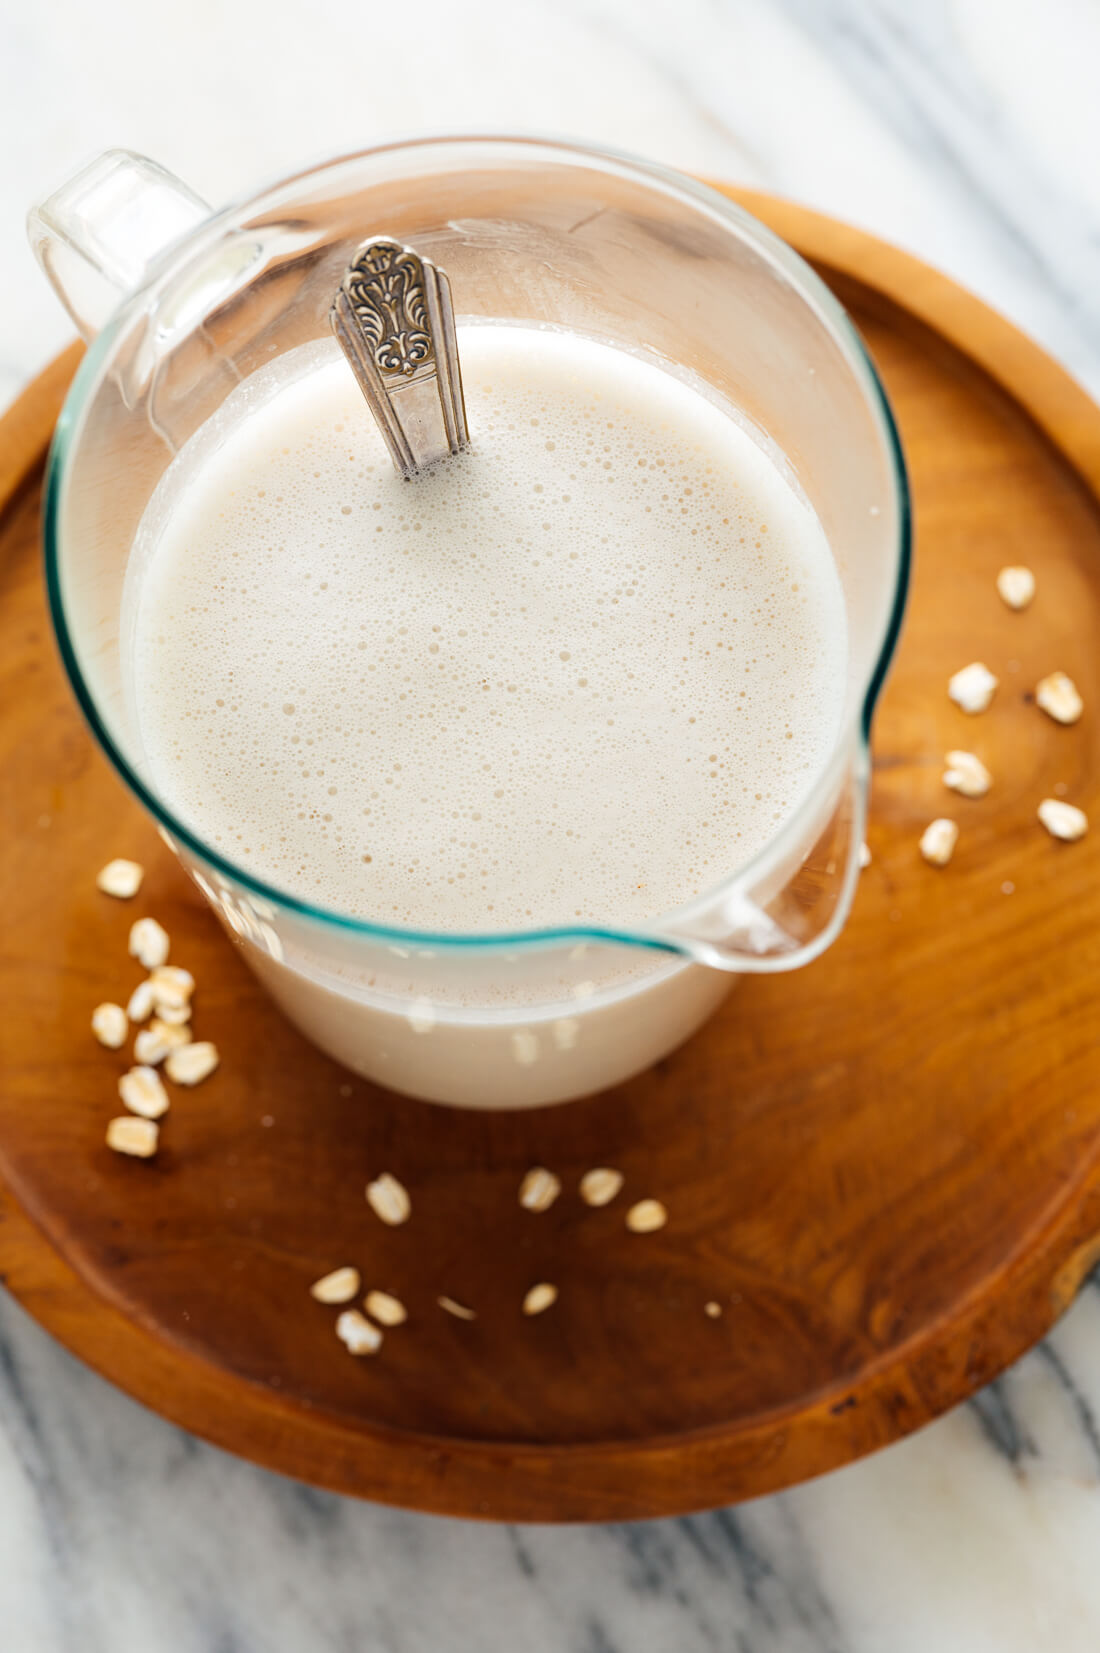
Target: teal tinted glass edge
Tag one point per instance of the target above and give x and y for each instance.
(85, 379)
(905, 538)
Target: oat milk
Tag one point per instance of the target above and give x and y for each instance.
(575, 676)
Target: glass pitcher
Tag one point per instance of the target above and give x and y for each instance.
(181, 305)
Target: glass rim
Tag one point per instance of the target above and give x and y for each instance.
(829, 311)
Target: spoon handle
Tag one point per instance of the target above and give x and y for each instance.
(394, 319)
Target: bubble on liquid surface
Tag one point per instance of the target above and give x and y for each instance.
(578, 677)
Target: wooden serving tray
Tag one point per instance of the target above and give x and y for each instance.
(884, 1167)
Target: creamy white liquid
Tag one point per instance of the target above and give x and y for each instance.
(580, 673)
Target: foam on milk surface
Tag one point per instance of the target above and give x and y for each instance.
(579, 673)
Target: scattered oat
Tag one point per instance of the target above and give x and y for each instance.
(142, 1002)
(158, 1040)
(973, 687)
(357, 1334)
(173, 1015)
(120, 878)
(130, 1135)
(540, 1298)
(864, 856)
(385, 1308)
(150, 1048)
(389, 1200)
(938, 841)
(174, 1036)
(1058, 697)
(566, 1031)
(1016, 586)
(338, 1287)
(143, 1093)
(1063, 820)
(459, 1310)
(172, 985)
(110, 1025)
(600, 1186)
(148, 942)
(967, 774)
(525, 1048)
(712, 1309)
(191, 1063)
(646, 1217)
(421, 1015)
(539, 1189)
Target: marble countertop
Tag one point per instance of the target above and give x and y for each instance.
(965, 130)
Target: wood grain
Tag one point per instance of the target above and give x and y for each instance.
(884, 1167)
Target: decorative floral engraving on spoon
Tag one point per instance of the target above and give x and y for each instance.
(395, 322)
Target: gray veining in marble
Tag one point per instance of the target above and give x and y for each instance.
(966, 130)
(120, 1534)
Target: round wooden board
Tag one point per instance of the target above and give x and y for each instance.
(884, 1167)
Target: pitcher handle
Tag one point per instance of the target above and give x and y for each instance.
(97, 235)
